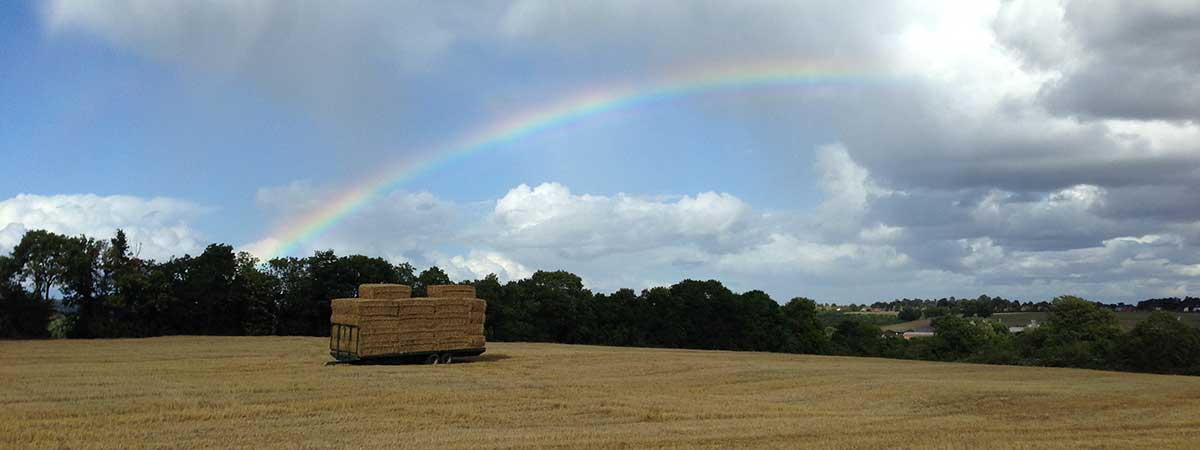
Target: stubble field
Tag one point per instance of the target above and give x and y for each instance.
(274, 393)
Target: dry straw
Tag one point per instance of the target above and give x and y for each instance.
(390, 322)
(384, 291)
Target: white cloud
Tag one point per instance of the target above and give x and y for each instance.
(587, 226)
(479, 264)
(1029, 147)
(157, 227)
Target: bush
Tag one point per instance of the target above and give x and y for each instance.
(1162, 343)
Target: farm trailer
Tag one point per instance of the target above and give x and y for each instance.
(435, 329)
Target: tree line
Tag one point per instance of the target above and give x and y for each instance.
(64, 286)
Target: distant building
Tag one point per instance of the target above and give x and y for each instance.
(917, 334)
(1020, 329)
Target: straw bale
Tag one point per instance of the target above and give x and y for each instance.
(475, 341)
(418, 324)
(417, 336)
(452, 310)
(453, 342)
(420, 301)
(378, 350)
(384, 291)
(477, 305)
(457, 323)
(450, 301)
(415, 347)
(475, 317)
(451, 290)
(410, 310)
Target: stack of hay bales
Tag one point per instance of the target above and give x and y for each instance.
(384, 291)
(390, 322)
(460, 316)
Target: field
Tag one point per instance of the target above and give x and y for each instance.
(274, 393)
(1127, 318)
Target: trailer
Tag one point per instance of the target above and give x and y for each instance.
(448, 324)
(344, 348)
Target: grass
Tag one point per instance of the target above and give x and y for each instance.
(1128, 319)
(273, 393)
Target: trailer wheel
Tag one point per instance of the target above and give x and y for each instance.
(432, 359)
(446, 358)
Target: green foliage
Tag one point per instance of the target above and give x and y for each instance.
(803, 332)
(959, 338)
(1077, 333)
(429, 277)
(936, 311)
(102, 289)
(852, 337)
(909, 313)
(21, 315)
(1162, 343)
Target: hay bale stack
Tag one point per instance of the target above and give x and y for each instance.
(384, 291)
(352, 311)
(451, 290)
(453, 320)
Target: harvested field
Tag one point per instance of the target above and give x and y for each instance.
(273, 393)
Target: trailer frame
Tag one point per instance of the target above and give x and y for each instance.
(340, 355)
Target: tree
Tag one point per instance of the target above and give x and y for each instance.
(429, 277)
(39, 259)
(909, 313)
(1162, 343)
(855, 338)
(21, 315)
(803, 331)
(959, 338)
(1077, 333)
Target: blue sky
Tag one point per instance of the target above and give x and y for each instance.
(997, 165)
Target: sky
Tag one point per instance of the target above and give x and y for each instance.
(1026, 149)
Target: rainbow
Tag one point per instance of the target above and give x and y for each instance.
(515, 127)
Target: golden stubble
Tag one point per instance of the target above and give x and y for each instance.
(274, 393)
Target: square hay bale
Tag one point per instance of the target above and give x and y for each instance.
(409, 325)
(453, 342)
(421, 301)
(451, 290)
(416, 311)
(458, 323)
(475, 341)
(374, 324)
(378, 350)
(475, 317)
(451, 301)
(384, 291)
(415, 347)
(351, 311)
(451, 310)
(417, 336)
(477, 305)
(475, 328)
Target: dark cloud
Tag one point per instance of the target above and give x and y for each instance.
(1123, 60)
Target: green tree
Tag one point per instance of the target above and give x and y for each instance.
(804, 332)
(21, 315)
(1162, 343)
(429, 277)
(855, 338)
(909, 313)
(40, 259)
(1077, 333)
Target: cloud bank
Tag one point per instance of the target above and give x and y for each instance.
(1034, 147)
